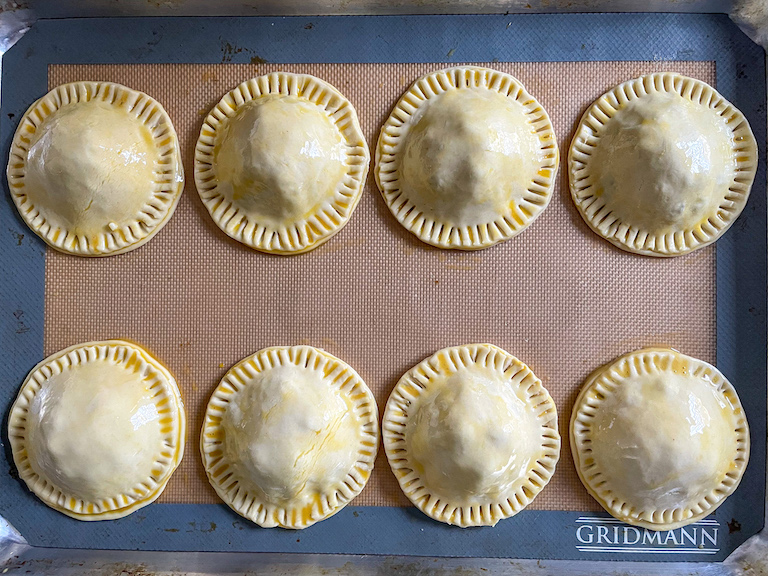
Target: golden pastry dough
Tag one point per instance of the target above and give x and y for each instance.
(467, 158)
(659, 438)
(471, 435)
(662, 165)
(281, 162)
(290, 436)
(97, 430)
(95, 168)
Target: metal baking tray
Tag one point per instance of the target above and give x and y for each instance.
(395, 536)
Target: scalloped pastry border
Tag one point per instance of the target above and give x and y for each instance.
(165, 190)
(600, 384)
(601, 220)
(307, 233)
(393, 135)
(231, 488)
(416, 381)
(145, 491)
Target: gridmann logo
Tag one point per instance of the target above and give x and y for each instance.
(608, 535)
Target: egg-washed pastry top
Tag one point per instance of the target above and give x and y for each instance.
(471, 435)
(95, 168)
(467, 158)
(281, 162)
(659, 438)
(97, 430)
(290, 436)
(662, 165)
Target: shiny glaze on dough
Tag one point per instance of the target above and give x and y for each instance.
(279, 158)
(290, 435)
(663, 162)
(664, 440)
(468, 156)
(91, 165)
(472, 437)
(96, 430)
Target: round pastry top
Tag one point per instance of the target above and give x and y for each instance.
(663, 162)
(95, 168)
(91, 164)
(281, 162)
(662, 165)
(279, 158)
(290, 436)
(467, 158)
(97, 429)
(659, 438)
(471, 435)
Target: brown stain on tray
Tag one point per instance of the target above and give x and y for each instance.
(556, 296)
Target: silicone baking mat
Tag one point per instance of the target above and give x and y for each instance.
(557, 296)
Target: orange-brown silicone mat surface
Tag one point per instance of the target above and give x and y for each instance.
(557, 296)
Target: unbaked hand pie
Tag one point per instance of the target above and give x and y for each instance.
(97, 430)
(467, 158)
(471, 435)
(281, 162)
(662, 165)
(290, 436)
(659, 438)
(95, 168)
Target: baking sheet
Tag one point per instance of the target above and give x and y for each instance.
(557, 296)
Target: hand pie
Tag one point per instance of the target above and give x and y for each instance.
(659, 439)
(467, 158)
(97, 430)
(290, 436)
(281, 162)
(471, 435)
(662, 165)
(95, 168)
